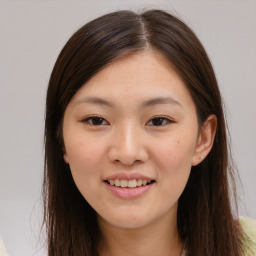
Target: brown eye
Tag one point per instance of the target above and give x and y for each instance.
(159, 121)
(95, 120)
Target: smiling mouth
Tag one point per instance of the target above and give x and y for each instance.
(129, 183)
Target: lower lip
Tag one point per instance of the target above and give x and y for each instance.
(129, 193)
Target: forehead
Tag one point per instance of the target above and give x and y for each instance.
(136, 78)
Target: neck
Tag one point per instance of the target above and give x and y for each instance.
(153, 239)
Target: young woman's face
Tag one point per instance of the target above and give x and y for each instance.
(130, 137)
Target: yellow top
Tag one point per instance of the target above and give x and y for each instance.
(2, 249)
(249, 229)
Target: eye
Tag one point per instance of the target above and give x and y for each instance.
(159, 121)
(95, 120)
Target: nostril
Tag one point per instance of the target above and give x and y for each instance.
(126, 162)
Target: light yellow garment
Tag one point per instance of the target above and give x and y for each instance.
(2, 249)
(248, 225)
(249, 229)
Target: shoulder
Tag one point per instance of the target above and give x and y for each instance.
(2, 249)
(249, 231)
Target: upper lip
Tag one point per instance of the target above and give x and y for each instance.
(128, 176)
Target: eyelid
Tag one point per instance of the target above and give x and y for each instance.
(168, 119)
(86, 120)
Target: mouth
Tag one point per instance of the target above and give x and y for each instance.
(130, 184)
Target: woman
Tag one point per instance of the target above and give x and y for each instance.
(136, 153)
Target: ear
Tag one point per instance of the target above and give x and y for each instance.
(205, 140)
(65, 156)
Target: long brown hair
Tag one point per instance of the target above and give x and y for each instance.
(206, 217)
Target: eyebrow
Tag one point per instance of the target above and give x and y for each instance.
(148, 103)
(95, 100)
(161, 100)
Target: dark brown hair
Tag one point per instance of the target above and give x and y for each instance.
(205, 215)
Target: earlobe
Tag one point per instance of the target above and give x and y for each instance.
(205, 140)
(65, 156)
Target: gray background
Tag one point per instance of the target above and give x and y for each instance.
(31, 35)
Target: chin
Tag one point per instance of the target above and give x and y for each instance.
(126, 220)
(128, 224)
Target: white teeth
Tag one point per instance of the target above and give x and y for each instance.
(117, 183)
(139, 183)
(128, 183)
(123, 183)
(132, 183)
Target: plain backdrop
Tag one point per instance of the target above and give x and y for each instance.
(31, 35)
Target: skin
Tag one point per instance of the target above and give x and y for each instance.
(129, 139)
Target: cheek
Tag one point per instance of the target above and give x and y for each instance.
(82, 149)
(176, 153)
(85, 158)
(85, 161)
(174, 165)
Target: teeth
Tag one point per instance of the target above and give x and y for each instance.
(132, 183)
(123, 183)
(139, 183)
(129, 183)
(117, 183)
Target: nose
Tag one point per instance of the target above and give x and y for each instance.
(127, 146)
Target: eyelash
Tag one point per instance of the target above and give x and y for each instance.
(162, 118)
(90, 120)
